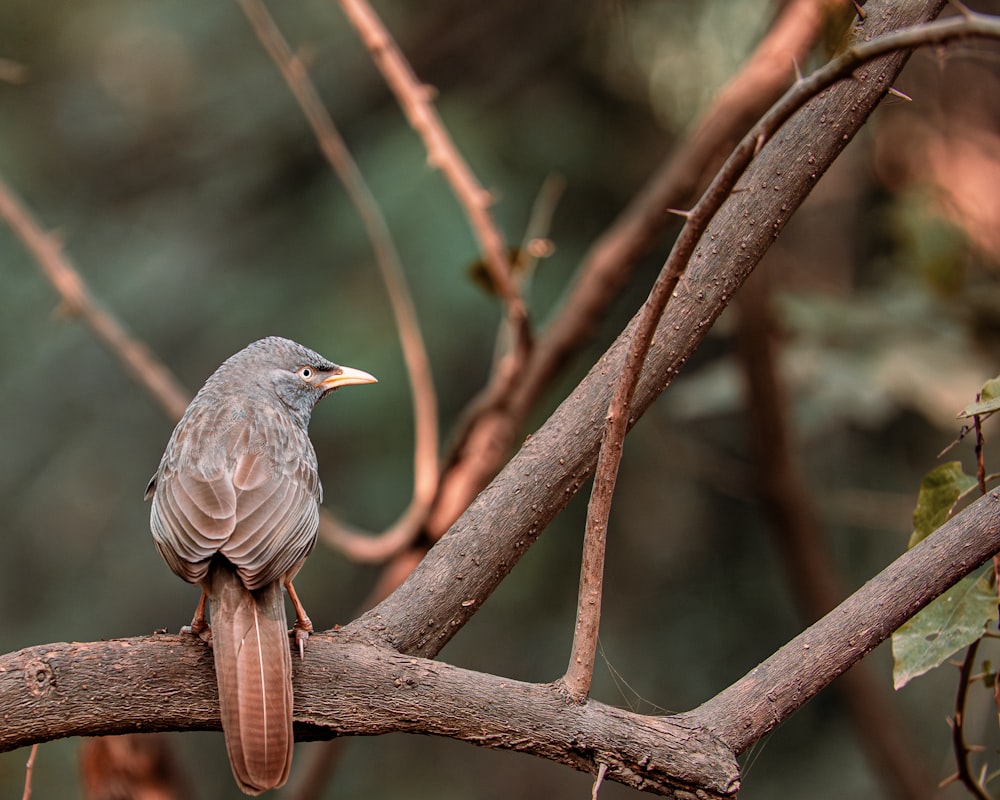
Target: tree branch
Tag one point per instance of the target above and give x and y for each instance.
(159, 683)
(162, 683)
(769, 693)
(139, 362)
(415, 100)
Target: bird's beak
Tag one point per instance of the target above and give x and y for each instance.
(347, 376)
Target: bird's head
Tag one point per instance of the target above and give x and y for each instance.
(298, 376)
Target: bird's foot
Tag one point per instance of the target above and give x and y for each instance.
(199, 623)
(201, 629)
(303, 626)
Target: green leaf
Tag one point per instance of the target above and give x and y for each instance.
(939, 491)
(954, 620)
(988, 402)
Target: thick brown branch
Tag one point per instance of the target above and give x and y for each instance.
(768, 694)
(164, 683)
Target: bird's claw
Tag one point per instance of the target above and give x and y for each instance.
(203, 631)
(301, 634)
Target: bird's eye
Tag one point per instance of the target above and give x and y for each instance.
(305, 373)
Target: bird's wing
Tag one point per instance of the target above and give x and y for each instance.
(248, 489)
(194, 500)
(277, 499)
(194, 513)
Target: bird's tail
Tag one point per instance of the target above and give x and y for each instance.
(254, 668)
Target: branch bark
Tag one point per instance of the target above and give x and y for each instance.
(157, 683)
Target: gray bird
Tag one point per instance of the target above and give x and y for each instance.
(236, 509)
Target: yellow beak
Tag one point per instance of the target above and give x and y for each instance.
(347, 376)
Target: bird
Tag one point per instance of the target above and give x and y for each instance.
(235, 509)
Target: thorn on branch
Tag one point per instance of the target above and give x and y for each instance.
(948, 781)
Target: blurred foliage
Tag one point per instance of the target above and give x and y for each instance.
(165, 151)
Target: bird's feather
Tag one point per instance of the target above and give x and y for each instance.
(253, 666)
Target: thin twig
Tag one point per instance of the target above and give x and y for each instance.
(535, 245)
(29, 767)
(961, 748)
(580, 671)
(139, 361)
(415, 99)
(358, 546)
(539, 224)
(979, 451)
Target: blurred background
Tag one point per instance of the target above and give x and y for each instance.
(163, 149)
